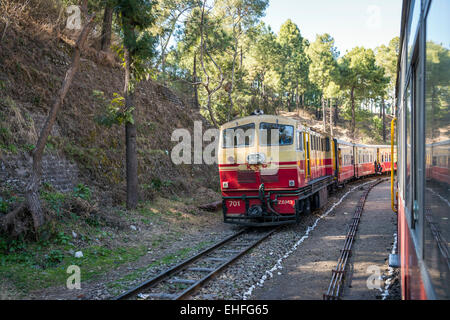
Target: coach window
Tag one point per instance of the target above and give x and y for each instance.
(413, 24)
(437, 147)
(408, 146)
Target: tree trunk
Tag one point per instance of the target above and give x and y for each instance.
(194, 74)
(130, 139)
(230, 92)
(336, 116)
(324, 115)
(106, 28)
(352, 98)
(331, 116)
(383, 111)
(32, 189)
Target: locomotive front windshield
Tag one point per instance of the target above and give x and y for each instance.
(269, 132)
(242, 136)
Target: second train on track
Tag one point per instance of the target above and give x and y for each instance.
(273, 169)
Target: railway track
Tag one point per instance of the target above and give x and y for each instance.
(338, 274)
(182, 280)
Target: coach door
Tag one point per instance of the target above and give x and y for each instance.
(308, 154)
(336, 158)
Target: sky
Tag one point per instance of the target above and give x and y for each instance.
(351, 23)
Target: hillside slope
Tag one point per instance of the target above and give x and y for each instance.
(32, 67)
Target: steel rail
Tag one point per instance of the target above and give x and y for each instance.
(339, 273)
(184, 266)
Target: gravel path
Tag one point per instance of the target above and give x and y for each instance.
(271, 259)
(303, 254)
(373, 244)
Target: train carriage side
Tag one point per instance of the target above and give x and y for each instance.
(438, 162)
(344, 160)
(365, 160)
(422, 136)
(321, 155)
(384, 157)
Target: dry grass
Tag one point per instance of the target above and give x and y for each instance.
(43, 14)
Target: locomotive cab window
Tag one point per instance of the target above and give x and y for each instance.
(285, 134)
(242, 136)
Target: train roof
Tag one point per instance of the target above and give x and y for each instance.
(363, 145)
(345, 142)
(440, 143)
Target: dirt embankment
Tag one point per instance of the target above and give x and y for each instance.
(84, 172)
(33, 62)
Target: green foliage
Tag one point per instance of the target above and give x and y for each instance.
(135, 19)
(54, 257)
(116, 113)
(8, 200)
(82, 191)
(55, 200)
(4, 206)
(322, 69)
(158, 184)
(62, 239)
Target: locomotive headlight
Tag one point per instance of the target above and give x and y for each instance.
(225, 184)
(231, 160)
(256, 158)
(291, 183)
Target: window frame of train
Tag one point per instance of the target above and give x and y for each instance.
(248, 128)
(412, 94)
(413, 105)
(432, 13)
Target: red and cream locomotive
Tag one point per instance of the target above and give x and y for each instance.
(273, 169)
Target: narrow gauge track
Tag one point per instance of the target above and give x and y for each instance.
(182, 280)
(339, 273)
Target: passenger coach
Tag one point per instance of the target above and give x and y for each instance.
(423, 128)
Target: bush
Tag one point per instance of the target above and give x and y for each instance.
(4, 206)
(82, 191)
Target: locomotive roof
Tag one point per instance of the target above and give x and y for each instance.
(272, 118)
(249, 119)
